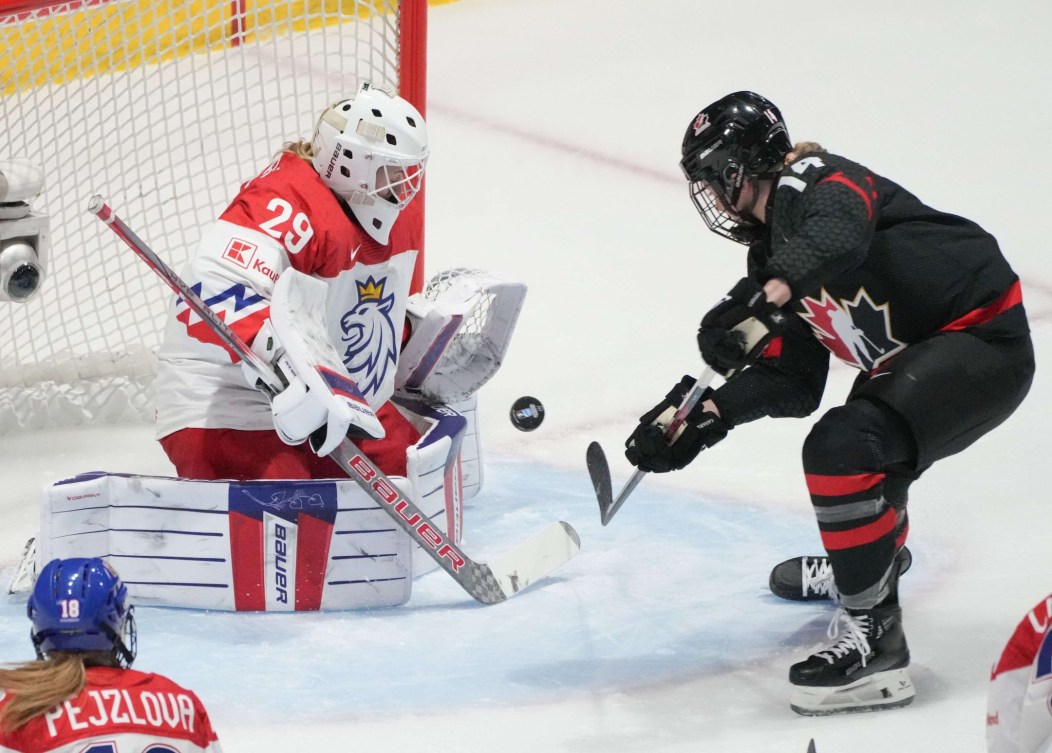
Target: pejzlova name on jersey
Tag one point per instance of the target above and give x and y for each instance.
(172, 711)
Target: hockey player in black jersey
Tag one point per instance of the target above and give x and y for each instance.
(922, 302)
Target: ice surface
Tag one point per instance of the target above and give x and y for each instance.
(555, 138)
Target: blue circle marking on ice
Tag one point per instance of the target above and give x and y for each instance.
(674, 587)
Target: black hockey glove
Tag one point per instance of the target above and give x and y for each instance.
(647, 449)
(735, 331)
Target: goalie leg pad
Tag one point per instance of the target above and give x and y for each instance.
(256, 545)
(434, 470)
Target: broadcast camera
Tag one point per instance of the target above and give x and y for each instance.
(24, 234)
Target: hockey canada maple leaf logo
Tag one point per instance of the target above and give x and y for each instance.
(857, 332)
(701, 123)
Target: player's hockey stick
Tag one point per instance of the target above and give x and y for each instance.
(599, 469)
(491, 583)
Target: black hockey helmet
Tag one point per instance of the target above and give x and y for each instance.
(741, 135)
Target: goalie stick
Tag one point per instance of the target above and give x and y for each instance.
(599, 469)
(491, 583)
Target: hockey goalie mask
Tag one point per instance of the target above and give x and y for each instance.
(740, 136)
(371, 151)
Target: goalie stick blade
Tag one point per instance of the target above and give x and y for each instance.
(599, 472)
(530, 561)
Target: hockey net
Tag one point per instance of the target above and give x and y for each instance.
(165, 107)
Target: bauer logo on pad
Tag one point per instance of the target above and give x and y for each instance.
(240, 252)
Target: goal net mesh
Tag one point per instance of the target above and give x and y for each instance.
(165, 108)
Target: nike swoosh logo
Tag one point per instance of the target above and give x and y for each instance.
(354, 253)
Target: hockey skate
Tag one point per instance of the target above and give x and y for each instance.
(811, 578)
(864, 669)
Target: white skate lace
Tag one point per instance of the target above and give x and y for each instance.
(851, 638)
(817, 575)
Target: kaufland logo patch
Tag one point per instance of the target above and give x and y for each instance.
(240, 252)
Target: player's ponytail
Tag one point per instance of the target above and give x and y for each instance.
(802, 148)
(38, 686)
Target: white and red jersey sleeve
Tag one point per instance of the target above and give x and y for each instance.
(119, 711)
(1019, 704)
(284, 217)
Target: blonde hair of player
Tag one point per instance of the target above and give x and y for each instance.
(38, 686)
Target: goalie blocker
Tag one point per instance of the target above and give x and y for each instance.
(260, 545)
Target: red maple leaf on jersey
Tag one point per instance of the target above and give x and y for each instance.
(857, 332)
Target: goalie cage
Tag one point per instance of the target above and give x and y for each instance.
(239, 79)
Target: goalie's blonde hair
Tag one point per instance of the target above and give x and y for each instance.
(301, 149)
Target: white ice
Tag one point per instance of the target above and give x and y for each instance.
(555, 134)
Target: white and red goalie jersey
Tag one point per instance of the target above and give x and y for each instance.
(284, 217)
(119, 711)
(1019, 707)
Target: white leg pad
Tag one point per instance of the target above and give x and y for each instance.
(251, 546)
(882, 690)
(434, 470)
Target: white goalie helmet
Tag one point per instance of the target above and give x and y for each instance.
(372, 151)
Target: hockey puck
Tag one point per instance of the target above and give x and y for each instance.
(527, 413)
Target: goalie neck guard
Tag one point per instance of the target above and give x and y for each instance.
(371, 151)
(80, 605)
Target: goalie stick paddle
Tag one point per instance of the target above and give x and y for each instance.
(492, 583)
(599, 469)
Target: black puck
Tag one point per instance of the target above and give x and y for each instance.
(527, 413)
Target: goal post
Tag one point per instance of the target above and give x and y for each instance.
(166, 107)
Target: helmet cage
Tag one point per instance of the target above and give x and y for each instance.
(715, 185)
(718, 217)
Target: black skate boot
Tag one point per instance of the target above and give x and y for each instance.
(811, 578)
(864, 669)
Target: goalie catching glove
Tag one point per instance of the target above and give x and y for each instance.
(734, 333)
(648, 449)
(320, 401)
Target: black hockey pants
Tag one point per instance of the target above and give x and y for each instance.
(929, 402)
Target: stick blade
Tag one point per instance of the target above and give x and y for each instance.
(530, 561)
(811, 746)
(599, 472)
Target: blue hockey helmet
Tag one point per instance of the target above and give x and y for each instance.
(81, 605)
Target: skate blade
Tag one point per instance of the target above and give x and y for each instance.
(883, 690)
